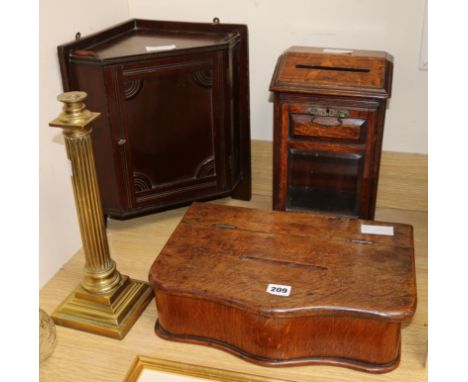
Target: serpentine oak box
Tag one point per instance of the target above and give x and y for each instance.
(328, 128)
(282, 289)
(175, 124)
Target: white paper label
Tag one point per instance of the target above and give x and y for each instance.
(160, 48)
(377, 229)
(337, 51)
(279, 290)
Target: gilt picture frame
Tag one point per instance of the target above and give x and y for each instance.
(146, 369)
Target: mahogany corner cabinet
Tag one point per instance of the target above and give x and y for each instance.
(175, 123)
(329, 111)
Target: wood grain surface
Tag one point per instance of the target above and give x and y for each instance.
(134, 245)
(350, 291)
(229, 255)
(149, 155)
(347, 96)
(301, 69)
(357, 343)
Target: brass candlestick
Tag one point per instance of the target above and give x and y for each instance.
(105, 302)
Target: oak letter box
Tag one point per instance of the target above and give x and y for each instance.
(328, 125)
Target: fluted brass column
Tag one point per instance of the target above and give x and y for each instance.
(105, 302)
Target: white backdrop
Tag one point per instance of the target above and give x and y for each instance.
(274, 25)
(59, 235)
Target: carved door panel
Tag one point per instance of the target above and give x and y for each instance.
(173, 129)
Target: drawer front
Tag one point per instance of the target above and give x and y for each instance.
(327, 123)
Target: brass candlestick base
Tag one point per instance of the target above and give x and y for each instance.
(111, 314)
(105, 302)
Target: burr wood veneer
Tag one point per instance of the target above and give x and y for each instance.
(350, 291)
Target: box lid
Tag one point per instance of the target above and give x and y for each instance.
(333, 71)
(230, 255)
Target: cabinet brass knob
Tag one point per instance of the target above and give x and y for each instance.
(121, 142)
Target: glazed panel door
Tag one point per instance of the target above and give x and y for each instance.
(325, 162)
(325, 181)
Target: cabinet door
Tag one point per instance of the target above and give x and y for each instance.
(325, 181)
(173, 133)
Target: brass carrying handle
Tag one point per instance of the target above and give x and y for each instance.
(327, 112)
(327, 116)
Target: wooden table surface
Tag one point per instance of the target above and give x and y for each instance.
(135, 243)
